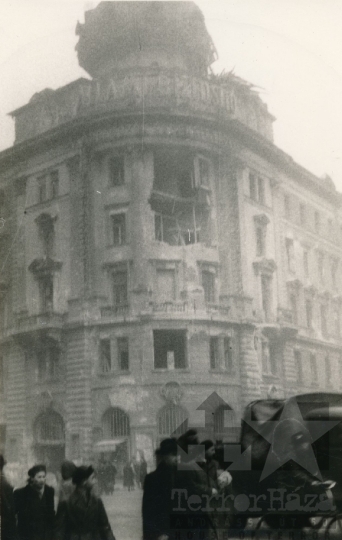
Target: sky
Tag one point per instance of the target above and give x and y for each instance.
(290, 49)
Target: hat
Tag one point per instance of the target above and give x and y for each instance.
(189, 438)
(207, 444)
(81, 474)
(68, 468)
(167, 447)
(36, 469)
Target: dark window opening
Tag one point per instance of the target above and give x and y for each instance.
(306, 262)
(266, 296)
(308, 310)
(54, 177)
(105, 356)
(174, 172)
(119, 229)
(123, 354)
(169, 349)
(204, 172)
(48, 360)
(261, 190)
(208, 284)
(166, 285)
(42, 192)
(228, 353)
(253, 187)
(294, 307)
(115, 423)
(260, 241)
(46, 294)
(120, 288)
(47, 233)
(49, 427)
(214, 353)
(116, 171)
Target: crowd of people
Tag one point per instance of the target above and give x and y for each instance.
(28, 513)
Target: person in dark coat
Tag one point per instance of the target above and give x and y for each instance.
(67, 487)
(8, 523)
(34, 506)
(128, 476)
(83, 515)
(157, 498)
(143, 471)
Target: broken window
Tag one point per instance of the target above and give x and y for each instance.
(208, 284)
(116, 171)
(169, 349)
(105, 356)
(174, 172)
(119, 229)
(166, 285)
(123, 355)
(214, 353)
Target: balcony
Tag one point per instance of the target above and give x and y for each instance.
(42, 321)
(120, 311)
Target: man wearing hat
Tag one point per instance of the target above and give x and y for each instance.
(8, 525)
(83, 515)
(34, 506)
(157, 503)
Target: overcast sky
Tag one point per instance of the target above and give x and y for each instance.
(291, 49)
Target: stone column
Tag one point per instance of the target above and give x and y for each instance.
(250, 373)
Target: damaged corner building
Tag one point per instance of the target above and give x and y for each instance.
(164, 263)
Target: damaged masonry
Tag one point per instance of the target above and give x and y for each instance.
(169, 264)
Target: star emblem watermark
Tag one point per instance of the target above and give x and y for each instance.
(291, 438)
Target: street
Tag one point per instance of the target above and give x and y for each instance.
(124, 512)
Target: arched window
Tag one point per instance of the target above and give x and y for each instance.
(49, 428)
(115, 423)
(172, 419)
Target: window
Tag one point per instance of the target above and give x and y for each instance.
(169, 349)
(49, 427)
(323, 310)
(298, 365)
(327, 363)
(204, 172)
(54, 179)
(214, 353)
(320, 266)
(120, 288)
(208, 284)
(46, 229)
(221, 430)
(265, 356)
(308, 312)
(302, 215)
(290, 255)
(287, 206)
(172, 421)
(260, 241)
(166, 285)
(48, 360)
(261, 190)
(293, 307)
(337, 323)
(266, 296)
(228, 353)
(105, 356)
(313, 368)
(317, 221)
(123, 355)
(75, 446)
(42, 193)
(119, 229)
(334, 267)
(253, 187)
(116, 171)
(46, 293)
(306, 262)
(115, 423)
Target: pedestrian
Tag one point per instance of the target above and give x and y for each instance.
(8, 523)
(128, 476)
(66, 487)
(143, 471)
(83, 515)
(34, 506)
(157, 498)
(210, 465)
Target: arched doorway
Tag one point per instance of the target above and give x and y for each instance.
(114, 444)
(172, 421)
(49, 439)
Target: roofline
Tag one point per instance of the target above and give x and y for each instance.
(257, 142)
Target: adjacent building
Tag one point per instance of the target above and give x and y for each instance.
(163, 262)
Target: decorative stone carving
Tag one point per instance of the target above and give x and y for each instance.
(172, 392)
(264, 267)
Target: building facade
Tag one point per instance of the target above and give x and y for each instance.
(163, 262)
